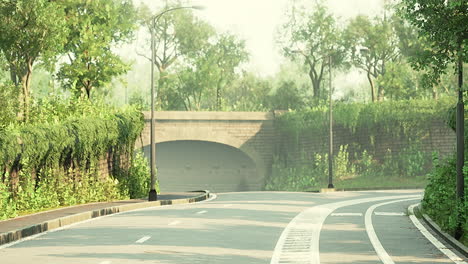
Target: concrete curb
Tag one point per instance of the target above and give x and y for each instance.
(18, 234)
(448, 238)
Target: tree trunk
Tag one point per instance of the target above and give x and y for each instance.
(218, 94)
(26, 84)
(315, 85)
(435, 95)
(381, 93)
(371, 82)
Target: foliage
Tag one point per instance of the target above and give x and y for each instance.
(179, 37)
(410, 115)
(440, 201)
(136, 180)
(31, 30)
(8, 104)
(94, 27)
(248, 93)
(286, 97)
(363, 132)
(442, 25)
(373, 44)
(317, 40)
(206, 73)
(55, 158)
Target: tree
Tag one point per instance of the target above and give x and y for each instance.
(209, 71)
(249, 92)
(373, 44)
(224, 57)
(95, 27)
(313, 38)
(178, 34)
(31, 30)
(286, 97)
(443, 24)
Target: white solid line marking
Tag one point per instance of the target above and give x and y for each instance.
(433, 240)
(227, 205)
(143, 239)
(379, 249)
(390, 213)
(346, 214)
(202, 212)
(174, 223)
(105, 262)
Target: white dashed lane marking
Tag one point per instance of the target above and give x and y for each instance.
(174, 223)
(346, 214)
(142, 240)
(202, 212)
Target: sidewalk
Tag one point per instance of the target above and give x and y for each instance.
(20, 227)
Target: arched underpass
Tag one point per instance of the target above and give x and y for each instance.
(188, 165)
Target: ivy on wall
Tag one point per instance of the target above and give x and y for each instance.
(53, 163)
(411, 115)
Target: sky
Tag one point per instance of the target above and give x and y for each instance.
(256, 21)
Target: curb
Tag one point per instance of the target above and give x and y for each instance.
(462, 249)
(18, 234)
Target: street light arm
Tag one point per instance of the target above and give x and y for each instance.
(156, 18)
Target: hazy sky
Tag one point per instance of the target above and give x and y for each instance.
(256, 21)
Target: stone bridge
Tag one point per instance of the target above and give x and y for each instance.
(218, 151)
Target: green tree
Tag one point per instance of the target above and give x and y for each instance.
(444, 29)
(373, 44)
(249, 92)
(443, 24)
(312, 39)
(178, 34)
(31, 30)
(209, 71)
(95, 28)
(224, 57)
(286, 97)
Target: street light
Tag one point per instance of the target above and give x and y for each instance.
(330, 147)
(330, 142)
(153, 196)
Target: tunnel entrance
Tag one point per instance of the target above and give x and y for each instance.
(202, 165)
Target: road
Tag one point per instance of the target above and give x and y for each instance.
(255, 227)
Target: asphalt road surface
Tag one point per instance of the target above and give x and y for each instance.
(251, 227)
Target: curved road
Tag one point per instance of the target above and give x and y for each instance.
(254, 227)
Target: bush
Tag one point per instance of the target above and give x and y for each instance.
(440, 201)
(55, 161)
(137, 180)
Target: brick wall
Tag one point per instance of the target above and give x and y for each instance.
(439, 138)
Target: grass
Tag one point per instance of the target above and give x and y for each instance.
(380, 182)
(374, 183)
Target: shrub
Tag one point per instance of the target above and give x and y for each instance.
(137, 180)
(55, 161)
(440, 201)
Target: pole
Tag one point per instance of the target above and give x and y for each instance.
(330, 148)
(460, 144)
(153, 196)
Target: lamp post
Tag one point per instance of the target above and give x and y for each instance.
(330, 143)
(153, 196)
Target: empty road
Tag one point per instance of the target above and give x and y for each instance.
(250, 227)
